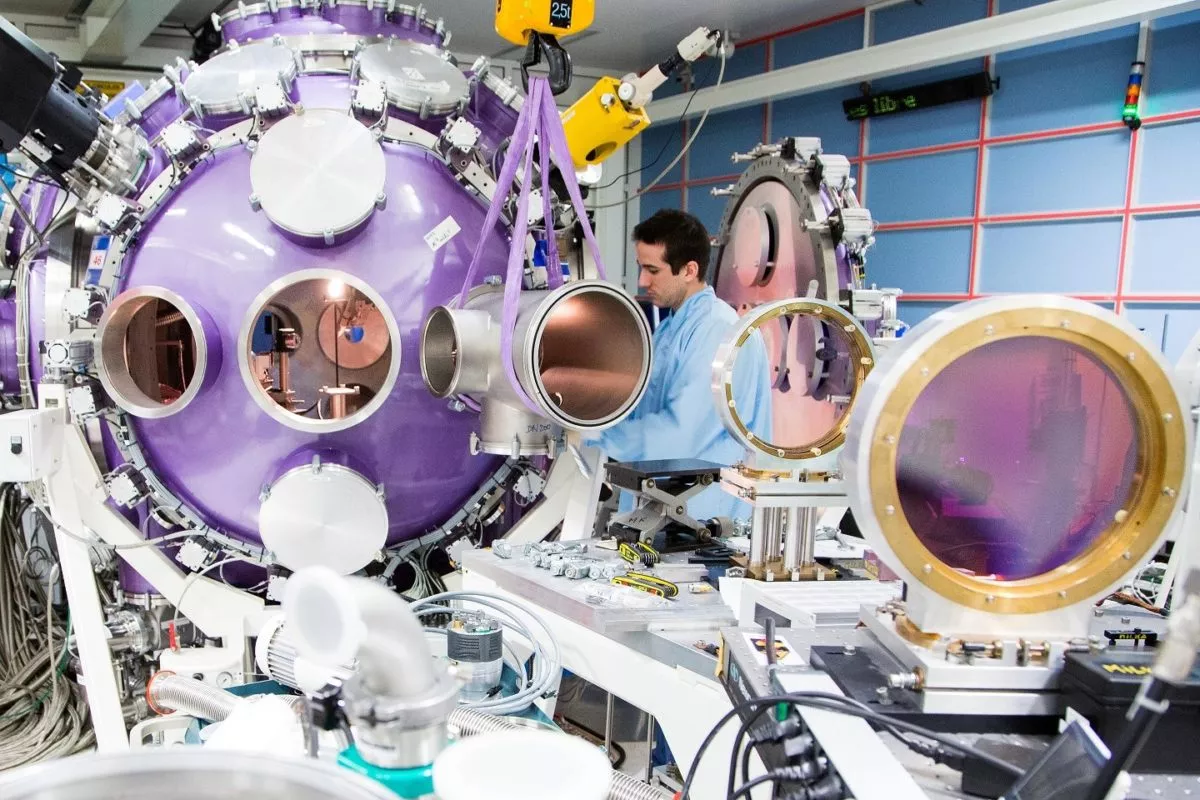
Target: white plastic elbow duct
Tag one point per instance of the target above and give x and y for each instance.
(334, 620)
(581, 354)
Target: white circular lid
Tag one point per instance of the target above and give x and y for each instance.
(217, 84)
(416, 76)
(318, 172)
(323, 516)
(522, 765)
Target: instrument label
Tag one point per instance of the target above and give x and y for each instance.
(446, 230)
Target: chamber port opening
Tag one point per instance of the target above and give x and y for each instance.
(150, 353)
(439, 352)
(319, 349)
(592, 356)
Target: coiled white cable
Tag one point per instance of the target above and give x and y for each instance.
(518, 619)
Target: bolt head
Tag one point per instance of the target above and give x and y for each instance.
(889, 510)
(928, 568)
(991, 598)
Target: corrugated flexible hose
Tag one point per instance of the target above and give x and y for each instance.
(167, 692)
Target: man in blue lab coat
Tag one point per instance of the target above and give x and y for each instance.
(677, 417)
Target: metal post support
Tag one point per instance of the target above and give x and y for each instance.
(608, 724)
(651, 728)
(758, 533)
(807, 528)
(791, 540)
(774, 521)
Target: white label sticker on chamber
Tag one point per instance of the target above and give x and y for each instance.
(444, 232)
(412, 74)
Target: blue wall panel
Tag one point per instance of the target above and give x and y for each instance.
(924, 262)
(1170, 168)
(910, 19)
(653, 201)
(820, 42)
(661, 142)
(1169, 326)
(816, 115)
(955, 122)
(707, 208)
(1067, 257)
(1076, 82)
(928, 187)
(915, 312)
(1174, 82)
(1058, 174)
(1158, 264)
(723, 135)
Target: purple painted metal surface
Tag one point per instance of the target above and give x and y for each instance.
(1017, 457)
(262, 26)
(492, 116)
(161, 113)
(210, 248)
(326, 455)
(9, 383)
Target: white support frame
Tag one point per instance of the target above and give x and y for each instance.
(1053, 21)
(78, 505)
(570, 497)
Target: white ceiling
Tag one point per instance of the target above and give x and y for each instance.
(627, 34)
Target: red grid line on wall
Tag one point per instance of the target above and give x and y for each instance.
(985, 106)
(1127, 218)
(1043, 216)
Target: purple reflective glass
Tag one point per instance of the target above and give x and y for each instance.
(1017, 457)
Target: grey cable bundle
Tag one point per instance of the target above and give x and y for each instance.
(43, 714)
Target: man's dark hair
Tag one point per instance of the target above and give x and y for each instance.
(683, 235)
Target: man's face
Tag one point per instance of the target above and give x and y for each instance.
(655, 279)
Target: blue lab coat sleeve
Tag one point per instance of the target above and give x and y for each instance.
(677, 417)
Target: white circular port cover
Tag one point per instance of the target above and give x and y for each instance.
(325, 515)
(318, 174)
(221, 84)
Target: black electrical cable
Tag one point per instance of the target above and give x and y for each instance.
(843, 705)
(30, 178)
(747, 788)
(662, 150)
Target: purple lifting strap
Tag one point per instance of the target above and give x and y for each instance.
(539, 120)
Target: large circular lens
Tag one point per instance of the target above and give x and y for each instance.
(1017, 457)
